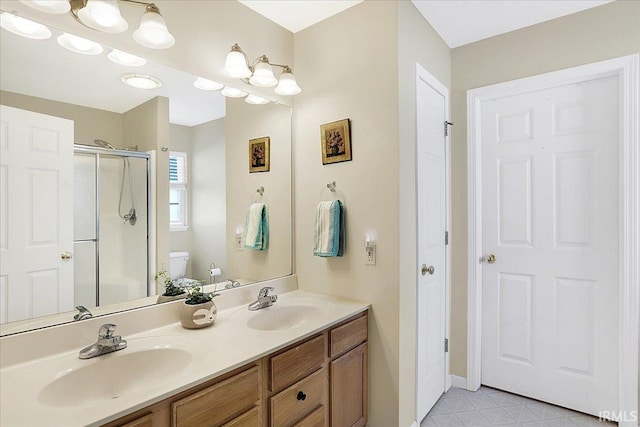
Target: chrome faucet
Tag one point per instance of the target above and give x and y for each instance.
(107, 343)
(264, 299)
(83, 313)
(232, 284)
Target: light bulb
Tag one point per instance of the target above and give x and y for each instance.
(232, 92)
(263, 74)
(206, 84)
(153, 30)
(124, 58)
(287, 84)
(141, 81)
(103, 15)
(49, 6)
(236, 64)
(24, 27)
(79, 44)
(255, 100)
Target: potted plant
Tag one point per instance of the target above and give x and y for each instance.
(198, 309)
(173, 290)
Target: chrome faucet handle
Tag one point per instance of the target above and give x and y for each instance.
(83, 313)
(106, 331)
(265, 291)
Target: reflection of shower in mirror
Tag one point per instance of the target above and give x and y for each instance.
(130, 217)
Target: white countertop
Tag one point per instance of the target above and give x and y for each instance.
(230, 343)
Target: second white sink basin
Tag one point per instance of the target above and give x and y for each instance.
(145, 364)
(282, 317)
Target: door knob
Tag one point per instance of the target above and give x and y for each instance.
(431, 269)
(491, 258)
(66, 255)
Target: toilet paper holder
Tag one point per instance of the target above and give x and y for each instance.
(214, 272)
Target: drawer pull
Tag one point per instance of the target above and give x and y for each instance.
(301, 395)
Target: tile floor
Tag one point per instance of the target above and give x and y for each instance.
(491, 407)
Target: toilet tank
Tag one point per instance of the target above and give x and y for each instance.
(178, 264)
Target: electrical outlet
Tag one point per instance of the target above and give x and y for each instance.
(239, 243)
(371, 255)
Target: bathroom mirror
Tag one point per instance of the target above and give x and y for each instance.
(205, 224)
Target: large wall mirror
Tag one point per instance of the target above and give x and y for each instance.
(133, 152)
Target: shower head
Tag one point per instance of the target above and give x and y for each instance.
(104, 144)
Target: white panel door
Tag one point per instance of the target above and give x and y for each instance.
(550, 217)
(36, 194)
(431, 293)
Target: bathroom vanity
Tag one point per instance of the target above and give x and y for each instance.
(301, 362)
(316, 382)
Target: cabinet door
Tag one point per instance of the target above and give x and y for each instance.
(349, 388)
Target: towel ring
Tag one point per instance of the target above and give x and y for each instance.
(332, 191)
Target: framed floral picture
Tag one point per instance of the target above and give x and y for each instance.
(259, 154)
(335, 138)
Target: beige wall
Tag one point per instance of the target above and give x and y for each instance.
(88, 123)
(245, 122)
(347, 67)
(596, 34)
(147, 126)
(417, 43)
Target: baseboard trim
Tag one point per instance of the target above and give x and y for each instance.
(458, 382)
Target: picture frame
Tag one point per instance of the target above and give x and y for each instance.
(259, 154)
(335, 139)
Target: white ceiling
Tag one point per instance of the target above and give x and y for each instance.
(460, 22)
(298, 15)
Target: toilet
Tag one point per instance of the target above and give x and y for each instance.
(178, 266)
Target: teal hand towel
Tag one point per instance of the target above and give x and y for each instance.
(329, 234)
(257, 227)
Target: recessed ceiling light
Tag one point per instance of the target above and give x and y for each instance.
(206, 84)
(141, 81)
(24, 27)
(232, 92)
(79, 45)
(127, 59)
(49, 6)
(256, 100)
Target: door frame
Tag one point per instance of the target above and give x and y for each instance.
(626, 68)
(423, 75)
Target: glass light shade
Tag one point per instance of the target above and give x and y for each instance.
(256, 100)
(236, 66)
(49, 6)
(141, 81)
(79, 45)
(263, 75)
(127, 59)
(287, 85)
(232, 92)
(206, 84)
(103, 15)
(153, 32)
(24, 27)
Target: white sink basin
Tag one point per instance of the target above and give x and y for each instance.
(145, 364)
(276, 318)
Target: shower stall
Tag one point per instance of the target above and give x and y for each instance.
(111, 224)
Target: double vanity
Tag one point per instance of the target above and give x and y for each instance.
(300, 362)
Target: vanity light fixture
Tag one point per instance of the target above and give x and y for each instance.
(206, 84)
(126, 59)
(256, 100)
(260, 72)
(24, 27)
(231, 92)
(141, 81)
(105, 16)
(49, 6)
(79, 45)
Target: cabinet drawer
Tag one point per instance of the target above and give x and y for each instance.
(314, 419)
(144, 421)
(300, 399)
(248, 419)
(295, 363)
(347, 336)
(219, 403)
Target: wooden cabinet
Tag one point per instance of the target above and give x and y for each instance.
(320, 381)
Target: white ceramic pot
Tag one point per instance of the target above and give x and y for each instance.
(164, 298)
(198, 316)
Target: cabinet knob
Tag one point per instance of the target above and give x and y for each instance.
(301, 395)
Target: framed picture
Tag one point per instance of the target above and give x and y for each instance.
(259, 154)
(335, 138)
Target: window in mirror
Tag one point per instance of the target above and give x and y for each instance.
(178, 190)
